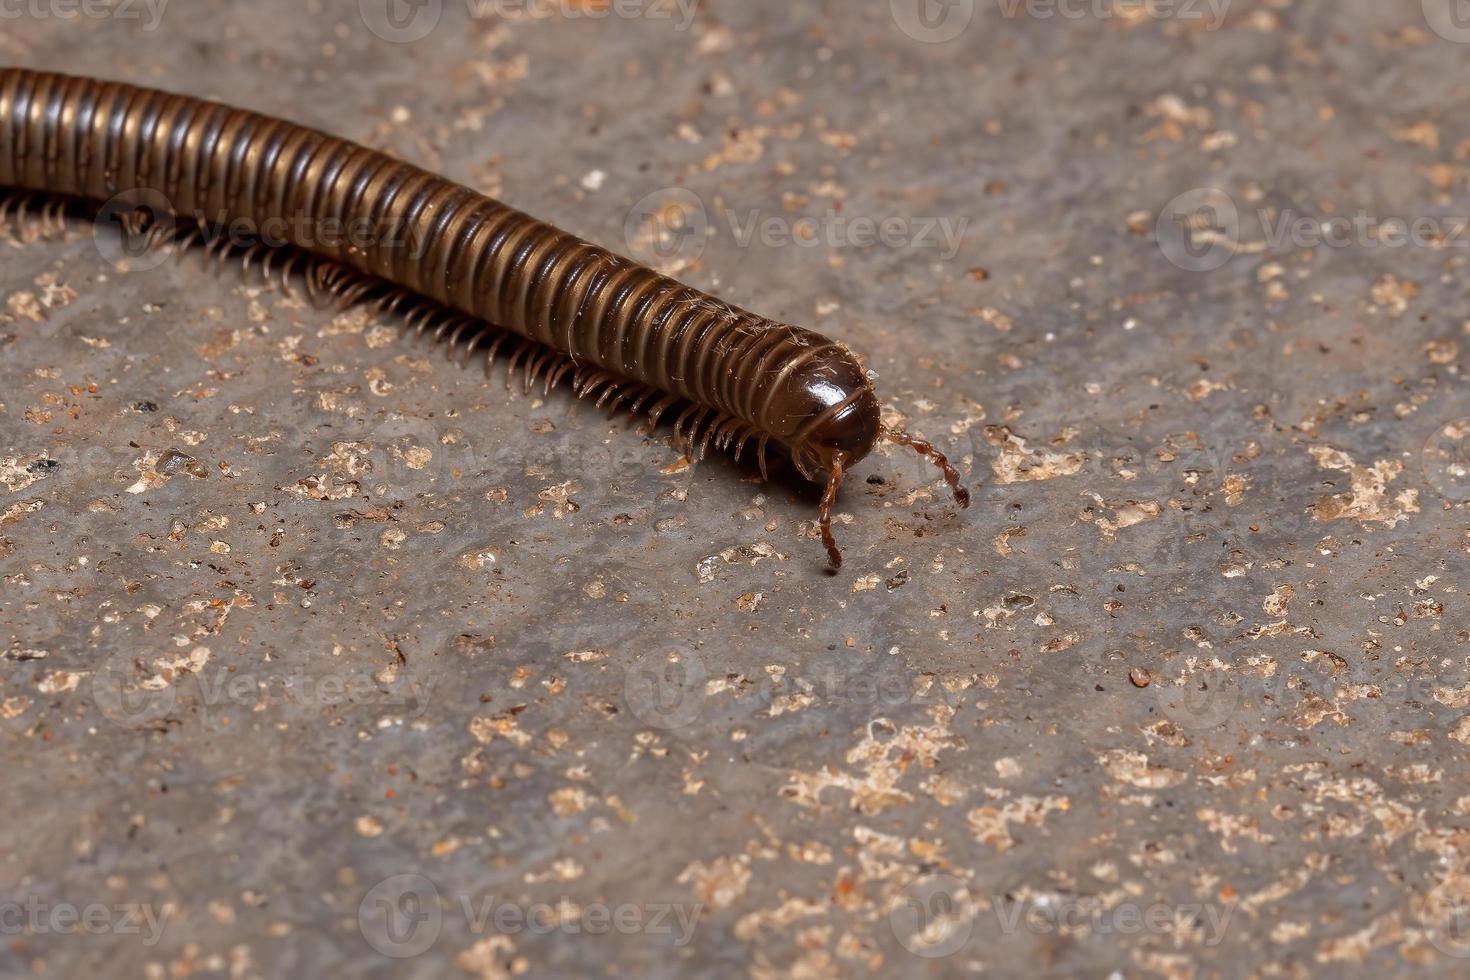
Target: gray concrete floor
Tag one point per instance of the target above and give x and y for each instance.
(395, 660)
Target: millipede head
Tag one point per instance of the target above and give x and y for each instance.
(842, 420)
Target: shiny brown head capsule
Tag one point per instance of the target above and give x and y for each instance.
(828, 415)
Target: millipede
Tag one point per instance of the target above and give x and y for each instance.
(459, 267)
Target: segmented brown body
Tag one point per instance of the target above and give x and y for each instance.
(620, 330)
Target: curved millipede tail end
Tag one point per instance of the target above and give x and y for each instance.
(824, 516)
(925, 449)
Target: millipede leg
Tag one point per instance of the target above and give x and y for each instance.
(247, 259)
(620, 394)
(554, 376)
(289, 270)
(588, 384)
(437, 337)
(740, 446)
(351, 290)
(214, 251)
(641, 396)
(534, 367)
(515, 357)
(710, 431)
(13, 199)
(659, 408)
(53, 217)
(418, 320)
(610, 392)
(471, 344)
(318, 285)
(193, 236)
(679, 423)
(951, 475)
(452, 344)
(824, 516)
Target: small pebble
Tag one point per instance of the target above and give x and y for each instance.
(1140, 677)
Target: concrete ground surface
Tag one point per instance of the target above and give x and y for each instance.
(323, 656)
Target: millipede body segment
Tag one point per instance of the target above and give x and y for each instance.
(476, 271)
